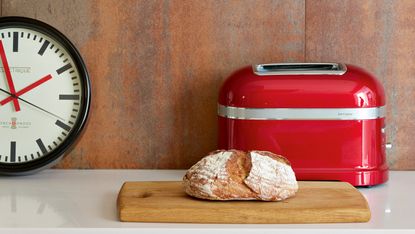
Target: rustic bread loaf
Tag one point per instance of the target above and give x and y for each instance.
(236, 175)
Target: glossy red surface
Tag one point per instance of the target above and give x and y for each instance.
(345, 150)
(356, 88)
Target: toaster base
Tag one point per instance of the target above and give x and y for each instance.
(355, 177)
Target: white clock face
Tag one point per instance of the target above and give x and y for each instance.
(47, 83)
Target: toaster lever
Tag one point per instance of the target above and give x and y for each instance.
(388, 145)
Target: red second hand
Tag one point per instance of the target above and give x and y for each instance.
(8, 76)
(26, 89)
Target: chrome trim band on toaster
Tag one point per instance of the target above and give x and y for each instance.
(301, 113)
(299, 69)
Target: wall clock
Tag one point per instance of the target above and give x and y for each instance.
(45, 95)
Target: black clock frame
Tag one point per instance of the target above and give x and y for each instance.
(51, 158)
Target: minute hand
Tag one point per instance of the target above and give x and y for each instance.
(8, 76)
(38, 107)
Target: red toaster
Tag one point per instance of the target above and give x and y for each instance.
(328, 119)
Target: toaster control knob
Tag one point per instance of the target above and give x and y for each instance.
(388, 145)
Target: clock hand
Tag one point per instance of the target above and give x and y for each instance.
(40, 108)
(25, 90)
(8, 76)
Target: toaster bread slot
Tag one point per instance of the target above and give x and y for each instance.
(300, 69)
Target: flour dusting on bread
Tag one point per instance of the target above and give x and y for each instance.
(270, 178)
(210, 168)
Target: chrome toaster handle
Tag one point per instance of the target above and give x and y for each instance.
(299, 69)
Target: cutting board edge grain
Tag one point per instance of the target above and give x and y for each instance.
(166, 202)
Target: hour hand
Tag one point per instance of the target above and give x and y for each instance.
(26, 89)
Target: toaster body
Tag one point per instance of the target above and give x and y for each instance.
(328, 119)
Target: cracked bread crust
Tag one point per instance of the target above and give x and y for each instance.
(236, 175)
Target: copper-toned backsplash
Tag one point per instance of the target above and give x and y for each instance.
(156, 66)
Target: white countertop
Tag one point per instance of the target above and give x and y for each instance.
(84, 201)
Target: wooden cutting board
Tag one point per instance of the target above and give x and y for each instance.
(315, 202)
